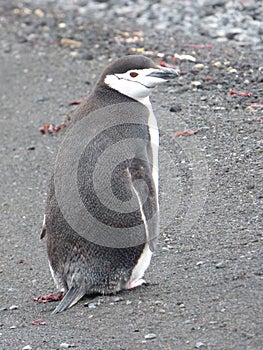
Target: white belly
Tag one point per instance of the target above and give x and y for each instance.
(145, 259)
(154, 134)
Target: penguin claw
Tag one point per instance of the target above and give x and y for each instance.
(72, 296)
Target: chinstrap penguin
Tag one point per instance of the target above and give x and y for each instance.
(80, 266)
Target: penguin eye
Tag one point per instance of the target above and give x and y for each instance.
(133, 74)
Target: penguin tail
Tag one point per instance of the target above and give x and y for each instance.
(72, 296)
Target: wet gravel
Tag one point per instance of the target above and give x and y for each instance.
(205, 281)
(238, 21)
(222, 20)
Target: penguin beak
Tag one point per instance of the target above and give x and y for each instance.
(165, 73)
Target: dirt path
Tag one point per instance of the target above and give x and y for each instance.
(205, 282)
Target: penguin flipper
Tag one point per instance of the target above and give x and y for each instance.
(72, 296)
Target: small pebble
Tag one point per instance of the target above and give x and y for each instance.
(66, 345)
(13, 307)
(87, 56)
(73, 53)
(219, 108)
(217, 64)
(62, 25)
(150, 336)
(27, 347)
(39, 13)
(199, 66)
(220, 265)
(196, 83)
(117, 299)
(231, 70)
(42, 99)
(92, 305)
(175, 108)
(70, 42)
(199, 345)
(213, 322)
(220, 33)
(165, 249)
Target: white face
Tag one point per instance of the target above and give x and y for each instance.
(137, 83)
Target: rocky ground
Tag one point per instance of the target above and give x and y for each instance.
(205, 287)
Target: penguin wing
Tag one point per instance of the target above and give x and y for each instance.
(142, 169)
(145, 190)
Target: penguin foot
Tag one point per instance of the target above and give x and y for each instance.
(136, 283)
(72, 296)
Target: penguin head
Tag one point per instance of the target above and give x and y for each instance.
(135, 76)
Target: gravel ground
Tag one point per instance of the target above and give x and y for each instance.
(205, 286)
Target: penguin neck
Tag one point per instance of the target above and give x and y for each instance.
(115, 96)
(110, 96)
(146, 101)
